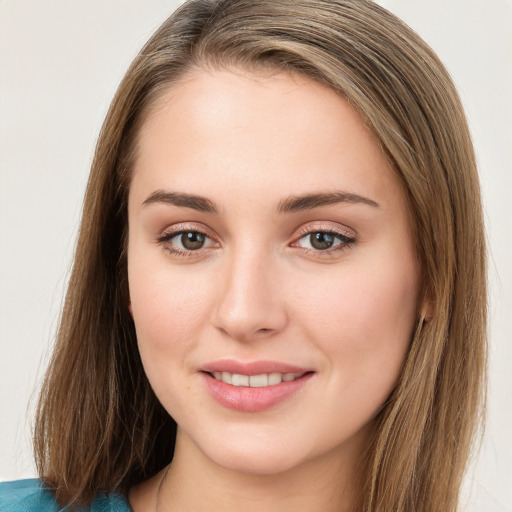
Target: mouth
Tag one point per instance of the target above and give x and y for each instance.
(253, 387)
(262, 380)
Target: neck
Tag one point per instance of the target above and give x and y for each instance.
(194, 482)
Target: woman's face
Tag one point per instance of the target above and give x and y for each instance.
(272, 275)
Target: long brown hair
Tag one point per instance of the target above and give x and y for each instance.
(99, 426)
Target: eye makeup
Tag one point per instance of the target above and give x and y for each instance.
(184, 240)
(321, 239)
(324, 239)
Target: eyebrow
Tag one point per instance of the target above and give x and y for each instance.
(310, 201)
(199, 203)
(288, 205)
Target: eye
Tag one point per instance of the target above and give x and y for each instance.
(320, 240)
(324, 241)
(190, 240)
(184, 242)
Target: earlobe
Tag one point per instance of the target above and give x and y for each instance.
(426, 312)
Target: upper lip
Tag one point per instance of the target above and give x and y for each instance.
(251, 367)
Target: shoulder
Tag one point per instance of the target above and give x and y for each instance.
(26, 496)
(32, 496)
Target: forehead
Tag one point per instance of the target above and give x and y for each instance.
(261, 131)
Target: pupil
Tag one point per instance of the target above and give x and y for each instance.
(321, 240)
(192, 240)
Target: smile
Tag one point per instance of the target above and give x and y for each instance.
(255, 381)
(254, 387)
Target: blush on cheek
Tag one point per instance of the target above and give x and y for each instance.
(366, 324)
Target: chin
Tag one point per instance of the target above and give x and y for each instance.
(255, 462)
(252, 453)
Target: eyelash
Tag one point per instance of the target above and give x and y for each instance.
(166, 238)
(345, 241)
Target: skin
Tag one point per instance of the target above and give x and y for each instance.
(259, 290)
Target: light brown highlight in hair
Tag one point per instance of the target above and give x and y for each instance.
(100, 427)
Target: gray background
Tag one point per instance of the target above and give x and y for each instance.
(60, 62)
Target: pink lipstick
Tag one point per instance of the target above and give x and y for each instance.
(253, 386)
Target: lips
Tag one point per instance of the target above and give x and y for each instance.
(253, 386)
(252, 367)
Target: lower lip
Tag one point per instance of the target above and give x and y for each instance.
(247, 399)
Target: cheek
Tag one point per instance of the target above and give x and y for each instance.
(363, 319)
(168, 312)
(168, 309)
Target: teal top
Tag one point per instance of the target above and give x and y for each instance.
(32, 496)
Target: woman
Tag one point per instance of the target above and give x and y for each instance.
(279, 283)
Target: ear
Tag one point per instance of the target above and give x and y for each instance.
(426, 310)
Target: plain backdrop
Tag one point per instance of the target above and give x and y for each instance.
(60, 63)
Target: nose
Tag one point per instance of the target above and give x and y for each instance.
(250, 303)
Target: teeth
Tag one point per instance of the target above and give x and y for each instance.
(239, 380)
(274, 378)
(255, 381)
(258, 381)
